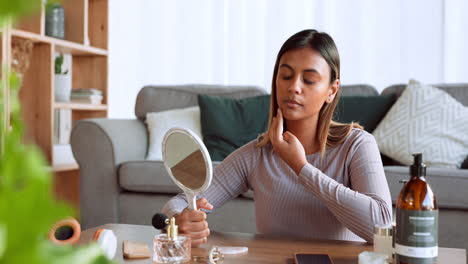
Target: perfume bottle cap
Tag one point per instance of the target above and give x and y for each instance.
(172, 229)
(385, 230)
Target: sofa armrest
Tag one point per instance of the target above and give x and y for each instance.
(99, 147)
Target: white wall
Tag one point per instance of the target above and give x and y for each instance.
(236, 42)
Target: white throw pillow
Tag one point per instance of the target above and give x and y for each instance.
(425, 119)
(160, 122)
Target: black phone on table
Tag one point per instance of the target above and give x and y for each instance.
(312, 259)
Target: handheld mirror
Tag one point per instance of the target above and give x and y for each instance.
(188, 162)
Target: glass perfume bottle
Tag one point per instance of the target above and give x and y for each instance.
(172, 247)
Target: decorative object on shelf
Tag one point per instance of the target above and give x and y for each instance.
(21, 50)
(55, 20)
(62, 81)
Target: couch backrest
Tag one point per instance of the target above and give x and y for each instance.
(459, 91)
(358, 89)
(156, 98)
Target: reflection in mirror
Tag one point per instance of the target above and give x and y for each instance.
(191, 171)
(186, 161)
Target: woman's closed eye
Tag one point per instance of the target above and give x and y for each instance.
(289, 77)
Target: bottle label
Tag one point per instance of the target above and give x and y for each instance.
(416, 239)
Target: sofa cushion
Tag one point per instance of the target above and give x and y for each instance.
(146, 176)
(448, 185)
(228, 124)
(428, 120)
(356, 109)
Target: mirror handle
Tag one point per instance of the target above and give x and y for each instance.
(192, 200)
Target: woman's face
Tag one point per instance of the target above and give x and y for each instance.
(303, 84)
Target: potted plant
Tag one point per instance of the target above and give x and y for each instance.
(62, 81)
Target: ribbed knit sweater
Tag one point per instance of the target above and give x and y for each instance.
(341, 195)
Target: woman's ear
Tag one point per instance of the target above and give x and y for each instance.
(334, 88)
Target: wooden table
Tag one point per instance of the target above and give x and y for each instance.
(262, 248)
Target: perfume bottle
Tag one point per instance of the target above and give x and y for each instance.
(172, 247)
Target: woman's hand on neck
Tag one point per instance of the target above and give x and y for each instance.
(287, 145)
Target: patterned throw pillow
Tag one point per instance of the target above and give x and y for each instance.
(160, 122)
(428, 120)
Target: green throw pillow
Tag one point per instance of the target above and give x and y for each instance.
(228, 124)
(465, 164)
(367, 110)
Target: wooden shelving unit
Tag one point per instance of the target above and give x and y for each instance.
(86, 39)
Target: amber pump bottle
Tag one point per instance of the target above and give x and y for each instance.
(416, 240)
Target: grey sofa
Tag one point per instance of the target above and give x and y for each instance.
(119, 186)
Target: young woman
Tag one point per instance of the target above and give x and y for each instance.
(312, 177)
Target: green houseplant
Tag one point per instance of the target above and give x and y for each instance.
(62, 80)
(27, 206)
(59, 64)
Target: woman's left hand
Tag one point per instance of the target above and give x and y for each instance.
(286, 144)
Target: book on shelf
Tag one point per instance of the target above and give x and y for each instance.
(86, 96)
(87, 91)
(62, 126)
(62, 153)
(94, 99)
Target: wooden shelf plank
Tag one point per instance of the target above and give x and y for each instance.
(61, 45)
(80, 106)
(64, 167)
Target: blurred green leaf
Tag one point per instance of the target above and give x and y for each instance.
(27, 206)
(12, 9)
(15, 8)
(91, 253)
(3, 236)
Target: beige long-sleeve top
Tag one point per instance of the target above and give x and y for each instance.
(339, 196)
